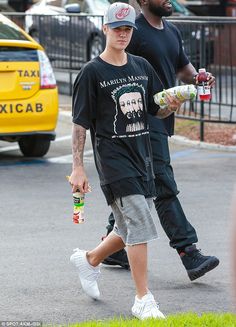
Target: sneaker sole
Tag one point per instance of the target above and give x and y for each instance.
(114, 262)
(203, 268)
(142, 319)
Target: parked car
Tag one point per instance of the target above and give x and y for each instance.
(71, 39)
(28, 93)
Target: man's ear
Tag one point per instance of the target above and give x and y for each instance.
(104, 29)
(143, 2)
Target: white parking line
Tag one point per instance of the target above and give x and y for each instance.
(9, 148)
(62, 159)
(62, 138)
(88, 157)
(16, 147)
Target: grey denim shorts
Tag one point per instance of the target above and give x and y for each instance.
(133, 220)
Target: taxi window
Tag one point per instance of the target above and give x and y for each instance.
(17, 54)
(8, 32)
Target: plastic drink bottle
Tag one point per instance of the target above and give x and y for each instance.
(78, 214)
(204, 90)
(181, 92)
(78, 208)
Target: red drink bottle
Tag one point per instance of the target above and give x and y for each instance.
(204, 90)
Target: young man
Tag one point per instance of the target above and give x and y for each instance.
(113, 95)
(159, 41)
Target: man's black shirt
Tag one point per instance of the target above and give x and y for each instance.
(164, 51)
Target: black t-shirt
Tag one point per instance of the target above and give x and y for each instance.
(114, 102)
(164, 51)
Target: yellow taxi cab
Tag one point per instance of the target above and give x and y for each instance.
(28, 92)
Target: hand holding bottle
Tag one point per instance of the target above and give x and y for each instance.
(203, 87)
(173, 103)
(78, 179)
(78, 203)
(211, 80)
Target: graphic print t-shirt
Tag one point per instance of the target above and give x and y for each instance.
(114, 102)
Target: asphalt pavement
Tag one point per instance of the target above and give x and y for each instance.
(37, 236)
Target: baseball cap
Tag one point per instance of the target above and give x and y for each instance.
(120, 14)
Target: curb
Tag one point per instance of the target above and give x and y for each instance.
(175, 139)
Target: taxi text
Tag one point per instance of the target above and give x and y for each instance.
(20, 108)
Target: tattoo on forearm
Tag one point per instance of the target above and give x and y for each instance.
(163, 113)
(78, 142)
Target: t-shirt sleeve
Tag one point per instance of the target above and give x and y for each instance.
(154, 85)
(84, 98)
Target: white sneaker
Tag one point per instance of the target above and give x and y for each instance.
(88, 274)
(146, 307)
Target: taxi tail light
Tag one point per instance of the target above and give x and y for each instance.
(47, 78)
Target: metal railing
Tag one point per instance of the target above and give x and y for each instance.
(214, 47)
(70, 40)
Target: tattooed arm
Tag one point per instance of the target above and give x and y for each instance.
(173, 106)
(78, 178)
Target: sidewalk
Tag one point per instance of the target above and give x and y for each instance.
(65, 103)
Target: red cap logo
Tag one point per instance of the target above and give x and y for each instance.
(122, 13)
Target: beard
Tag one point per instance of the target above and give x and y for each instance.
(158, 10)
(133, 116)
(130, 122)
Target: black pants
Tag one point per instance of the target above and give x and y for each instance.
(173, 220)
